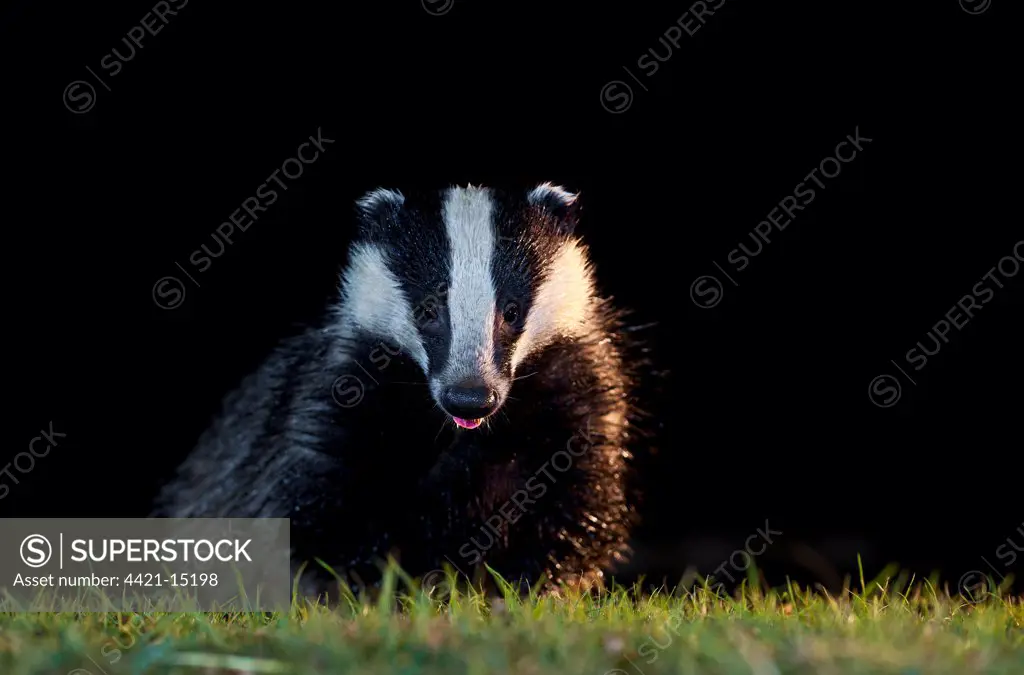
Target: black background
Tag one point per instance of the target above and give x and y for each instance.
(764, 414)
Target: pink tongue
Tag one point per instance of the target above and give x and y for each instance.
(467, 424)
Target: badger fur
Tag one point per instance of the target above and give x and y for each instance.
(466, 401)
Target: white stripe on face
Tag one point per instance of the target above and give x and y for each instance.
(561, 306)
(374, 302)
(471, 295)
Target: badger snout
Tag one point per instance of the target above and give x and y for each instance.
(469, 402)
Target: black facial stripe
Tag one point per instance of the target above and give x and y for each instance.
(523, 246)
(437, 342)
(418, 252)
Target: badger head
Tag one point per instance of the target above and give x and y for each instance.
(468, 283)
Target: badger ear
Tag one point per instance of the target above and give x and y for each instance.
(557, 202)
(376, 208)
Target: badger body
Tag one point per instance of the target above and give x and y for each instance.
(466, 401)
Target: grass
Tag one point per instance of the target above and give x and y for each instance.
(889, 626)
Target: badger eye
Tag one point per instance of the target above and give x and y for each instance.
(510, 313)
(430, 315)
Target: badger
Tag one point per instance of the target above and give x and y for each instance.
(467, 399)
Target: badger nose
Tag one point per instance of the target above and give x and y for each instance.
(469, 400)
